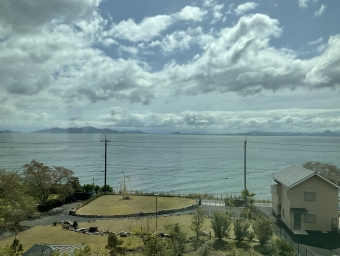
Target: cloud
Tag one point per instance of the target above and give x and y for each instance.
(146, 30)
(232, 121)
(29, 17)
(191, 13)
(246, 7)
(303, 3)
(320, 11)
(128, 49)
(325, 71)
(152, 27)
(179, 40)
(318, 41)
(217, 15)
(59, 63)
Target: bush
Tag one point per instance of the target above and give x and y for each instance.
(284, 248)
(241, 229)
(220, 223)
(263, 229)
(178, 238)
(279, 247)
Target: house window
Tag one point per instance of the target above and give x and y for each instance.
(309, 196)
(310, 218)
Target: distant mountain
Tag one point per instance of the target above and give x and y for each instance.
(258, 133)
(87, 130)
(9, 131)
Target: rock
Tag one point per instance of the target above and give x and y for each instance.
(123, 234)
(93, 229)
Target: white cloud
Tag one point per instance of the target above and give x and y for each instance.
(303, 3)
(146, 30)
(67, 69)
(191, 13)
(233, 121)
(246, 7)
(179, 40)
(152, 27)
(325, 71)
(128, 49)
(320, 11)
(318, 41)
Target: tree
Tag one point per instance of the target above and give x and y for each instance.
(220, 223)
(154, 245)
(329, 171)
(15, 249)
(113, 244)
(249, 200)
(88, 188)
(263, 229)
(108, 188)
(178, 238)
(42, 181)
(15, 204)
(197, 222)
(241, 227)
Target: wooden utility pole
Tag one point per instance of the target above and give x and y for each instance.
(105, 163)
(245, 164)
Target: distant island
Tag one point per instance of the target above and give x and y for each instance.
(93, 130)
(87, 130)
(8, 131)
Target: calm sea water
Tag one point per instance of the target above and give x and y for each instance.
(170, 163)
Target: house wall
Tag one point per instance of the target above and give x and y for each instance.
(325, 205)
(285, 202)
(276, 198)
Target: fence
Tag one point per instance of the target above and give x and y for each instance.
(282, 234)
(299, 248)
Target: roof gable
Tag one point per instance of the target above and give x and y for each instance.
(294, 175)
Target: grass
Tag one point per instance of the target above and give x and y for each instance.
(114, 204)
(56, 235)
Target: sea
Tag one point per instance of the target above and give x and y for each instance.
(168, 163)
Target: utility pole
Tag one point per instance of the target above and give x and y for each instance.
(245, 172)
(105, 164)
(245, 164)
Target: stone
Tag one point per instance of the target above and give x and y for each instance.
(93, 229)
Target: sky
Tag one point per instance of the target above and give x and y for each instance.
(165, 66)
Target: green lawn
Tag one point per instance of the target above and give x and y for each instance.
(114, 204)
(56, 235)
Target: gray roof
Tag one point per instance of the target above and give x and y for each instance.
(48, 249)
(293, 175)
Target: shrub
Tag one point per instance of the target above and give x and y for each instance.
(220, 223)
(178, 238)
(241, 229)
(197, 222)
(284, 248)
(263, 229)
